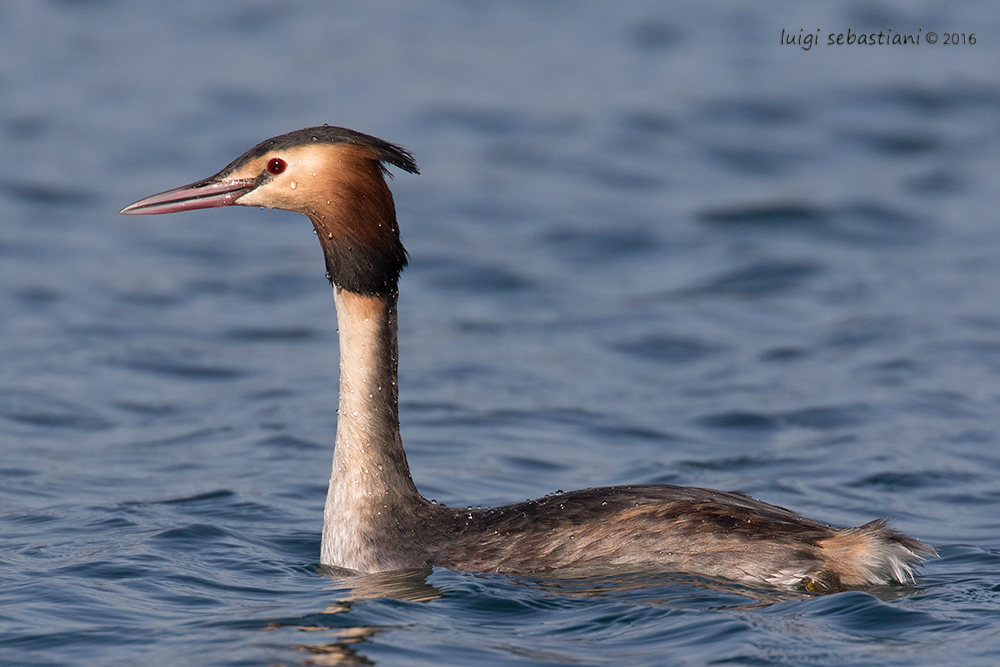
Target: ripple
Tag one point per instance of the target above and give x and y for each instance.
(47, 194)
(39, 409)
(619, 178)
(209, 496)
(975, 353)
(828, 417)
(668, 349)
(526, 464)
(892, 372)
(110, 570)
(739, 420)
(913, 480)
(854, 223)
(268, 288)
(646, 123)
(819, 418)
(156, 409)
(937, 101)
(287, 442)
(784, 353)
(874, 222)
(269, 334)
(753, 111)
(602, 245)
(39, 296)
(191, 534)
(755, 159)
(863, 614)
(458, 275)
(937, 182)
(177, 365)
(736, 463)
(862, 332)
(765, 215)
(902, 144)
(760, 279)
(500, 122)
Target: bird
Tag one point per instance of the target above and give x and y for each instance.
(376, 520)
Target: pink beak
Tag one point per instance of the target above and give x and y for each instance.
(208, 193)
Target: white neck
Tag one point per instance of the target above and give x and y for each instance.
(371, 493)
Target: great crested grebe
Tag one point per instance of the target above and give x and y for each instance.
(376, 520)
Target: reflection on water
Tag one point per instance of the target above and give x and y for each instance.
(409, 585)
(351, 587)
(341, 651)
(345, 644)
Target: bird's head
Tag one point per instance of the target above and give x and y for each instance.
(333, 175)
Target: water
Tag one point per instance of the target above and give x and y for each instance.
(649, 245)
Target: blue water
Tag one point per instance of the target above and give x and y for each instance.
(650, 244)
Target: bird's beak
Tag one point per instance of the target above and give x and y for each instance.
(208, 193)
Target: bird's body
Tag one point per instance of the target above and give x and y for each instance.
(376, 520)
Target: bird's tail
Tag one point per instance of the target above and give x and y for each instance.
(870, 555)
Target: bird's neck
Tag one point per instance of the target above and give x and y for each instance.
(371, 484)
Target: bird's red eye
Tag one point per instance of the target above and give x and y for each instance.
(276, 165)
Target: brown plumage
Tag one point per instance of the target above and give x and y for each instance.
(376, 520)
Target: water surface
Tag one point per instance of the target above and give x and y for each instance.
(649, 245)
